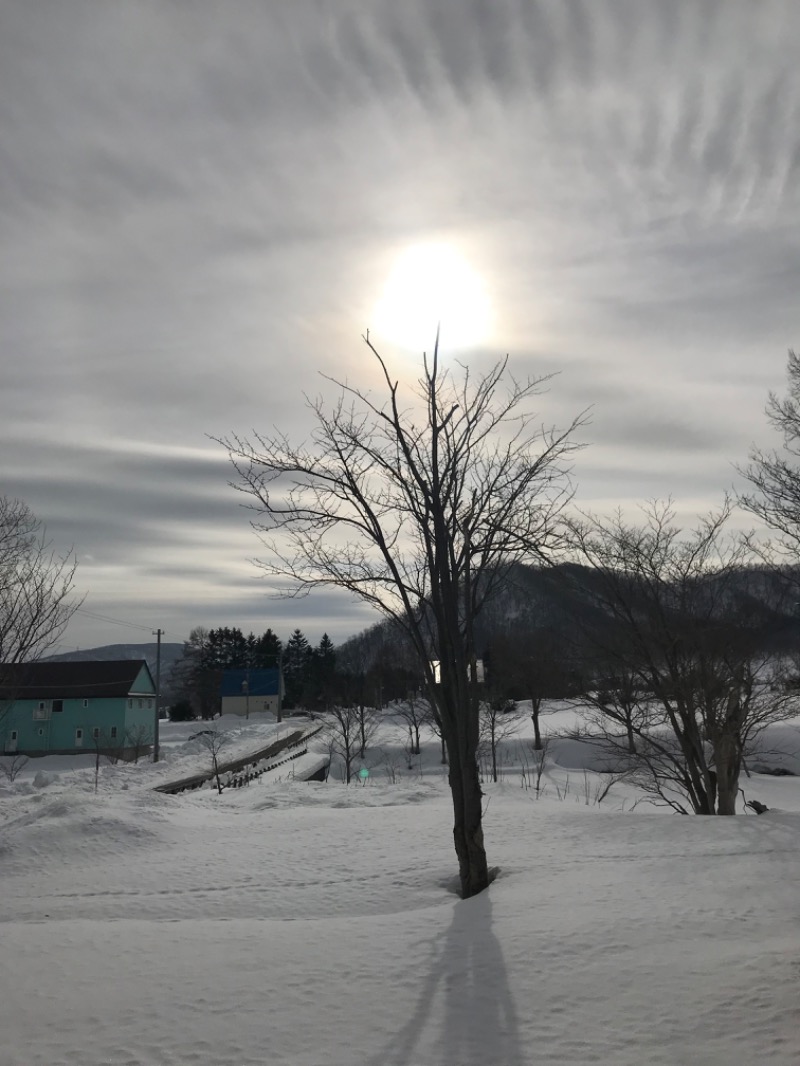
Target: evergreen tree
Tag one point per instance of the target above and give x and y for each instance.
(226, 649)
(267, 651)
(296, 664)
(323, 673)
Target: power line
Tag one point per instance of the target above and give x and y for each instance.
(114, 621)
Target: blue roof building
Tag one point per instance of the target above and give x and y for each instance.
(247, 691)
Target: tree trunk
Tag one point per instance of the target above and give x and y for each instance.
(629, 731)
(727, 765)
(467, 829)
(537, 736)
(362, 729)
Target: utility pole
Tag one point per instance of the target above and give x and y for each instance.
(158, 633)
(280, 684)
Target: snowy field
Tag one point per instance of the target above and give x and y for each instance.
(304, 924)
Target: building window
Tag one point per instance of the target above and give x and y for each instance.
(96, 732)
(41, 732)
(85, 703)
(14, 734)
(113, 732)
(79, 736)
(140, 704)
(42, 712)
(58, 706)
(130, 705)
(149, 705)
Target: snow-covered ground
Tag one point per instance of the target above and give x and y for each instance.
(292, 923)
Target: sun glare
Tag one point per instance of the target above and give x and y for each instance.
(433, 285)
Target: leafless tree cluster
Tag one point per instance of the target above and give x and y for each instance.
(350, 729)
(690, 687)
(416, 713)
(419, 507)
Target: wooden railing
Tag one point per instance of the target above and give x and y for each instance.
(288, 748)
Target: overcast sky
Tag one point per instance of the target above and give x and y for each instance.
(202, 206)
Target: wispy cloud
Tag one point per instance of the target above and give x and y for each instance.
(200, 204)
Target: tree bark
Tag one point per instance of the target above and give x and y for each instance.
(728, 767)
(537, 736)
(630, 732)
(467, 830)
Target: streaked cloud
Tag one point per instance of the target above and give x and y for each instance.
(200, 205)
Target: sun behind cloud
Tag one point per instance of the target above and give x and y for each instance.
(433, 285)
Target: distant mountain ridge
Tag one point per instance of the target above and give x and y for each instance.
(170, 652)
(556, 597)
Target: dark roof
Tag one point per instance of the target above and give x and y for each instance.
(70, 680)
(259, 682)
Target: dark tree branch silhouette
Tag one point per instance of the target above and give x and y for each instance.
(36, 588)
(695, 681)
(775, 475)
(420, 511)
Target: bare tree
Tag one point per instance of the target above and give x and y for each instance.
(618, 707)
(533, 762)
(391, 762)
(13, 765)
(368, 719)
(415, 712)
(420, 509)
(681, 626)
(498, 723)
(774, 475)
(104, 745)
(530, 663)
(214, 741)
(350, 729)
(436, 728)
(36, 588)
(137, 741)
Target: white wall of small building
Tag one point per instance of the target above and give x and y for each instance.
(258, 704)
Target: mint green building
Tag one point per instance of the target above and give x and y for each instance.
(64, 708)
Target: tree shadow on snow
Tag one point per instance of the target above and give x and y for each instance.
(464, 989)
